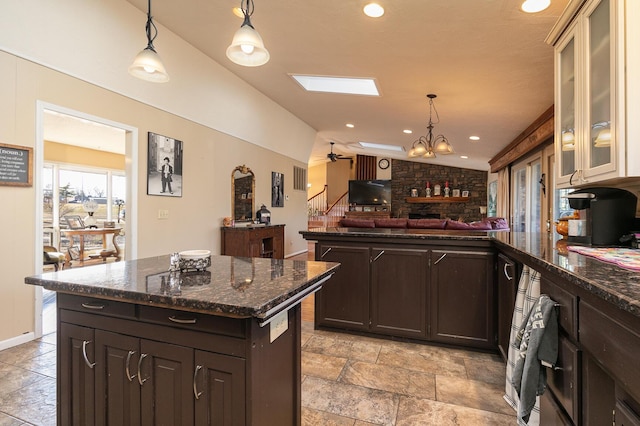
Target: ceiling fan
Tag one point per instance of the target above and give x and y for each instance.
(335, 157)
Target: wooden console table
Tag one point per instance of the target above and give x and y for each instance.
(81, 233)
(253, 241)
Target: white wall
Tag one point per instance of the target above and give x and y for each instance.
(206, 107)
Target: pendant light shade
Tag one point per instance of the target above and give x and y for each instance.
(247, 48)
(147, 65)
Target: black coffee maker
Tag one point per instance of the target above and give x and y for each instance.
(605, 215)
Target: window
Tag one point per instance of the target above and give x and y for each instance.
(527, 195)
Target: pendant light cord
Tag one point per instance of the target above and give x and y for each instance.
(149, 27)
(247, 7)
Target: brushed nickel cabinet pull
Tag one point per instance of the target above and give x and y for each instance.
(84, 354)
(94, 307)
(325, 253)
(195, 384)
(441, 257)
(378, 256)
(129, 376)
(140, 379)
(182, 321)
(506, 274)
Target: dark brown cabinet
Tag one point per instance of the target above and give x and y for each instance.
(398, 292)
(117, 367)
(403, 290)
(462, 297)
(508, 277)
(253, 241)
(344, 300)
(76, 405)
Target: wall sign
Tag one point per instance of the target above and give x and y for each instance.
(16, 165)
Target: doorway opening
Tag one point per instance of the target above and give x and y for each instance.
(85, 177)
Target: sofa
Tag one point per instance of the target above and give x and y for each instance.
(486, 224)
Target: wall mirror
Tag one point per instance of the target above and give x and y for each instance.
(243, 184)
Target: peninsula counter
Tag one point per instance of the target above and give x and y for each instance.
(137, 345)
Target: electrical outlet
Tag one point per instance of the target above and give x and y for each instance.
(163, 214)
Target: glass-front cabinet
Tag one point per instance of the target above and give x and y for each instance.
(591, 86)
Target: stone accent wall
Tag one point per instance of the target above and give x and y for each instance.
(406, 175)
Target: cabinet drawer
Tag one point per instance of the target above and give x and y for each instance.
(563, 382)
(95, 305)
(567, 318)
(613, 345)
(232, 327)
(550, 413)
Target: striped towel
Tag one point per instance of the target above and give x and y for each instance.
(528, 294)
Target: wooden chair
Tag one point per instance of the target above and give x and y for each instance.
(51, 256)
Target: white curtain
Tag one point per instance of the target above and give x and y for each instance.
(528, 293)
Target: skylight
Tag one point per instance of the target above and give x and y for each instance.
(345, 85)
(381, 146)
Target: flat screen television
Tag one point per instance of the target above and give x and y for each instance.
(370, 192)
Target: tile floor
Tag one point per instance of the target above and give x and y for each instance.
(346, 380)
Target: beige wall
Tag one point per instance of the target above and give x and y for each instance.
(194, 219)
(317, 177)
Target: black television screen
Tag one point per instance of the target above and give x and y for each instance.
(370, 192)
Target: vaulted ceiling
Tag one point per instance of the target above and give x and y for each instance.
(485, 59)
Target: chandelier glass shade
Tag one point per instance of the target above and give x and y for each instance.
(147, 65)
(247, 48)
(428, 146)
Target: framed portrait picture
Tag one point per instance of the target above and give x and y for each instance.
(164, 166)
(465, 193)
(277, 189)
(74, 222)
(455, 193)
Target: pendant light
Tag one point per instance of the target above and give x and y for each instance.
(427, 146)
(247, 48)
(147, 65)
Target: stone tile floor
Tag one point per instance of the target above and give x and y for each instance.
(347, 380)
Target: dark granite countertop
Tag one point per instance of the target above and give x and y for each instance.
(542, 251)
(425, 234)
(231, 286)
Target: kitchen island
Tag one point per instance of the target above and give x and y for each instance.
(140, 345)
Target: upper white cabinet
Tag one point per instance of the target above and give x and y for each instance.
(596, 61)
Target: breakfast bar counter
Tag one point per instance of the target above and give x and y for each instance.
(140, 345)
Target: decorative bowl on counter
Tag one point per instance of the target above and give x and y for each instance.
(194, 260)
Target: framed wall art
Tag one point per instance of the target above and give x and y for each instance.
(74, 222)
(164, 166)
(277, 189)
(16, 165)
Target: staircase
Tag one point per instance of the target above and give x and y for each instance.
(321, 215)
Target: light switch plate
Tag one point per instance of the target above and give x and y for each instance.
(163, 214)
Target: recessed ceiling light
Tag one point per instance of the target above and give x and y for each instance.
(346, 85)
(534, 6)
(464, 156)
(373, 10)
(385, 147)
(349, 125)
(474, 138)
(238, 12)
(407, 131)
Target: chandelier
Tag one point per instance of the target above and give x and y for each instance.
(427, 146)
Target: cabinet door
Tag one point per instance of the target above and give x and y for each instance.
(398, 292)
(566, 98)
(507, 289)
(344, 299)
(219, 389)
(166, 374)
(598, 394)
(76, 378)
(462, 292)
(117, 387)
